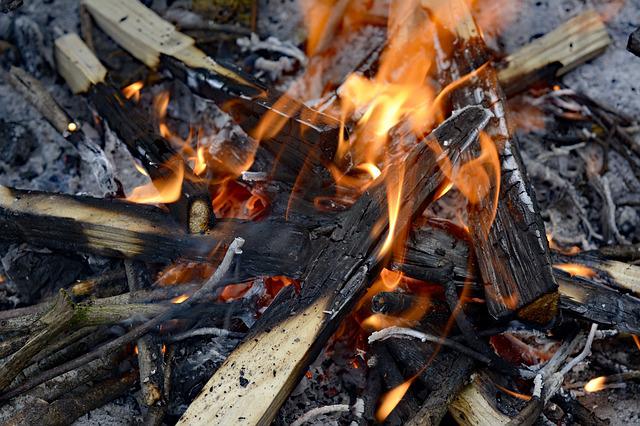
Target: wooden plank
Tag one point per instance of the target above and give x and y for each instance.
(265, 368)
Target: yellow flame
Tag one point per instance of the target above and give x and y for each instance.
(179, 299)
(72, 127)
(595, 385)
(200, 163)
(133, 91)
(391, 399)
(140, 169)
(576, 269)
(636, 339)
(162, 190)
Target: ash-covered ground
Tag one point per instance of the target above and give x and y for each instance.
(584, 203)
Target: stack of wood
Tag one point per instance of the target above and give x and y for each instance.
(335, 257)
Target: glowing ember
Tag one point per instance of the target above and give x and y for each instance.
(163, 190)
(133, 91)
(595, 385)
(179, 299)
(390, 399)
(513, 394)
(575, 269)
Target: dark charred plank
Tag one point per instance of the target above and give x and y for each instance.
(292, 331)
(513, 254)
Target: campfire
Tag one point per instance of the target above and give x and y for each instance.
(319, 212)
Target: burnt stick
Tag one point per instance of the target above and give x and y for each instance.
(84, 73)
(294, 328)
(513, 254)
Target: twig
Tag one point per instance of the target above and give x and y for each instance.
(205, 331)
(403, 332)
(34, 92)
(137, 332)
(320, 411)
(150, 359)
(585, 352)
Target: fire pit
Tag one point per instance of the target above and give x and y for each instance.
(331, 212)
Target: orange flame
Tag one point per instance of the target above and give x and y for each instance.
(576, 269)
(595, 385)
(391, 399)
(478, 178)
(200, 164)
(636, 339)
(513, 393)
(179, 299)
(161, 190)
(133, 91)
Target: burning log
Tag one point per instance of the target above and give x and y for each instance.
(116, 228)
(276, 120)
(509, 238)
(83, 72)
(591, 295)
(556, 53)
(273, 357)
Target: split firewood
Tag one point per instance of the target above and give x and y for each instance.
(275, 119)
(556, 53)
(116, 228)
(84, 72)
(633, 45)
(268, 364)
(513, 254)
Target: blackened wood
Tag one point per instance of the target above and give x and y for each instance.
(292, 331)
(156, 153)
(305, 137)
(633, 45)
(116, 228)
(513, 256)
(583, 298)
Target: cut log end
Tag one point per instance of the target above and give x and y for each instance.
(542, 311)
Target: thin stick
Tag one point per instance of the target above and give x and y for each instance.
(320, 411)
(389, 332)
(136, 333)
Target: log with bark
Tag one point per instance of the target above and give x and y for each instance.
(513, 254)
(84, 72)
(274, 119)
(268, 364)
